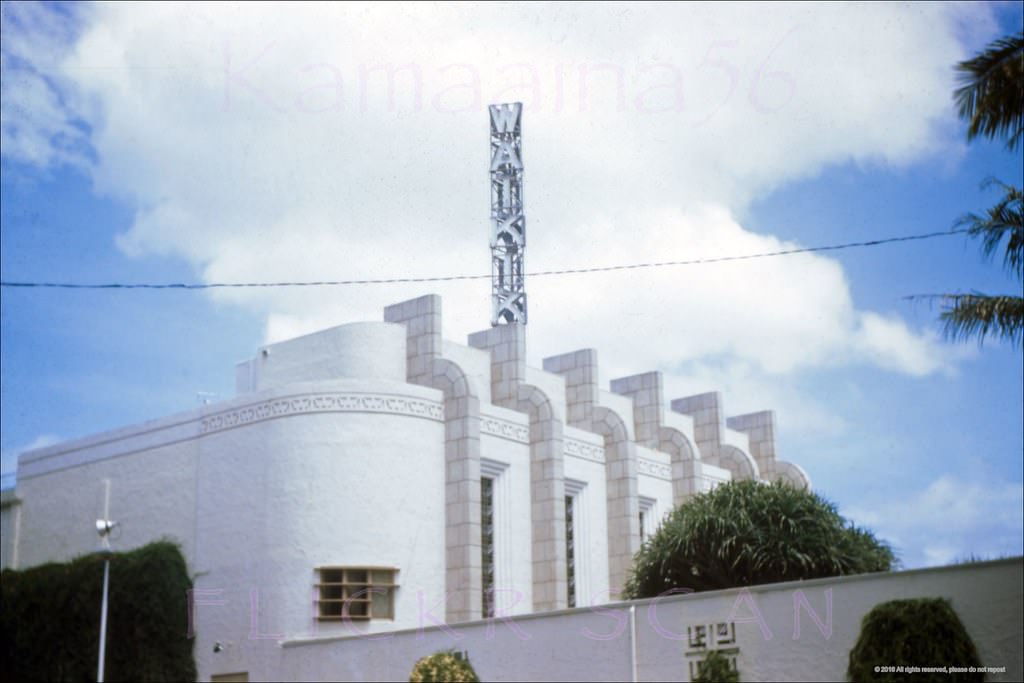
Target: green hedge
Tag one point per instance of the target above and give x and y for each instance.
(50, 618)
(924, 632)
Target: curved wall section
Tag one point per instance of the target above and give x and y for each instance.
(312, 489)
(367, 350)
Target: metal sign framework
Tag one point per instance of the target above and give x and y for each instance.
(508, 223)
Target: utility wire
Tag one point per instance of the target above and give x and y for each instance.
(449, 278)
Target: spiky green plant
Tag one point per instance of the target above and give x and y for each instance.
(745, 533)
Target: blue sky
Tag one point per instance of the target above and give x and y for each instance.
(160, 143)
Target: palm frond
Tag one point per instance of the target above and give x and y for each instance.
(991, 95)
(1005, 218)
(978, 315)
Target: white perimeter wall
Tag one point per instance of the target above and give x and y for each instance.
(777, 637)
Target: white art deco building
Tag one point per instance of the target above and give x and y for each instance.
(380, 472)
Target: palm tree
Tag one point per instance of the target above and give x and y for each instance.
(991, 99)
(990, 93)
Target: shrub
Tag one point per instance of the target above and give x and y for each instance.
(745, 533)
(715, 669)
(49, 618)
(913, 633)
(443, 666)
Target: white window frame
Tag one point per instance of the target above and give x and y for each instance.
(649, 509)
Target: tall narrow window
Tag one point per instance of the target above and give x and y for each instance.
(648, 517)
(487, 543)
(577, 545)
(570, 550)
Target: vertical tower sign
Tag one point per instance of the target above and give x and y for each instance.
(508, 223)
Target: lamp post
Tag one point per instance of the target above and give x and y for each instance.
(103, 528)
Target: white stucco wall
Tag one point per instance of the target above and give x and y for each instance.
(328, 457)
(623, 407)
(504, 439)
(712, 476)
(552, 647)
(683, 423)
(647, 639)
(283, 496)
(367, 350)
(654, 481)
(584, 463)
(736, 438)
(476, 363)
(259, 491)
(151, 471)
(778, 638)
(551, 384)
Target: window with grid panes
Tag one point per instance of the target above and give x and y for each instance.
(487, 543)
(358, 593)
(570, 550)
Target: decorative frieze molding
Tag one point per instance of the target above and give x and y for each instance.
(583, 450)
(654, 469)
(322, 403)
(504, 429)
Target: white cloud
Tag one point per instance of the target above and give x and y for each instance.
(301, 95)
(780, 314)
(888, 342)
(263, 143)
(754, 311)
(746, 389)
(951, 519)
(37, 123)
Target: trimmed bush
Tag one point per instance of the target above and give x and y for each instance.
(925, 632)
(746, 533)
(50, 618)
(715, 669)
(443, 666)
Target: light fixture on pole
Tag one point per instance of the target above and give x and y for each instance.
(103, 528)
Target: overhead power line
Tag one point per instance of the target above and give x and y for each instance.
(449, 278)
